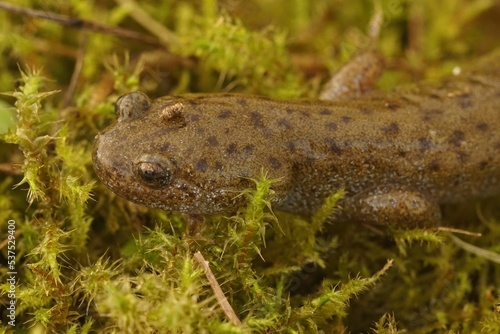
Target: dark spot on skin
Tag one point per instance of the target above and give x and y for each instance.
(202, 165)
(164, 146)
(242, 102)
(194, 117)
(218, 165)
(200, 130)
(401, 153)
(212, 140)
(248, 149)
(367, 111)
(391, 129)
(232, 149)
(284, 123)
(429, 114)
(289, 110)
(462, 156)
(434, 112)
(347, 143)
(465, 101)
(291, 146)
(456, 138)
(483, 164)
(267, 132)
(163, 131)
(225, 114)
(434, 166)
(482, 126)
(325, 112)
(346, 119)
(256, 119)
(275, 164)
(332, 145)
(331, 126)
(145, 105)
(305, 113)
(425, 143)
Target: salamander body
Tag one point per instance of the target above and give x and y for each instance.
(398, 154)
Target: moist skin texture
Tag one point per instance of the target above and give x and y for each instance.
(399, 154)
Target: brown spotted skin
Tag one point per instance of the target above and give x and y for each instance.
(399, 155)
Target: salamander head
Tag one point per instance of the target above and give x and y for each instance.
(147, 157)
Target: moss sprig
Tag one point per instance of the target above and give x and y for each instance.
(224, 44)
(404, 238)
(57, 193)
(31, 133)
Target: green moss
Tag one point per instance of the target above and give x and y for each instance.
(90, 261)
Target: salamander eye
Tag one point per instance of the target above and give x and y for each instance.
(154, 171)
(132, 105)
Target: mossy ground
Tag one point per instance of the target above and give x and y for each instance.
(88, 261)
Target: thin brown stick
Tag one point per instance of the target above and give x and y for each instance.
(5, 241)
(455, 230)
(79, 23)
(76, 71)
(484, 253)
(219, 294)
(136, 12)
(9, 169)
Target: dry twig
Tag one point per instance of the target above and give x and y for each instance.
(79, 23)
(219, 294)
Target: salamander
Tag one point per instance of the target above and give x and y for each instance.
(398, 154)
